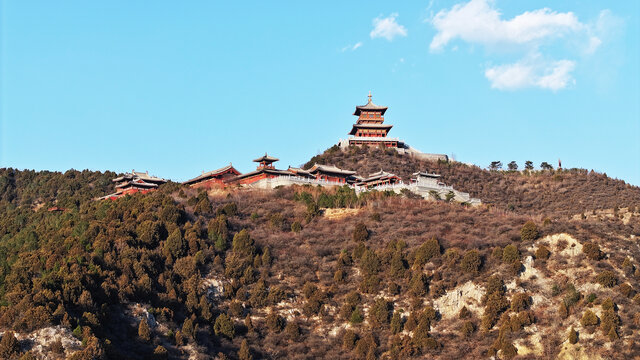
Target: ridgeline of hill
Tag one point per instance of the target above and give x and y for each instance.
(246, 274)
(552, 193)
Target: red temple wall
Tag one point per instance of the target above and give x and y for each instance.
(332, 178)
(208, 184)
(252, 179)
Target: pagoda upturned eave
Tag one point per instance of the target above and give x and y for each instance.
(355, 127)
(370, 106)
(266, 158)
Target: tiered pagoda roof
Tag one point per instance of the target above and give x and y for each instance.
(136, 175)
(370, 106)
(357, 127)
(136, 183)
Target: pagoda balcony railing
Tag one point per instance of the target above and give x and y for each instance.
(401, 185)
(372, 138)
(384, 187)
(292, 179)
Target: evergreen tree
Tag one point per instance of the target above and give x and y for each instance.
(471, 262)
(143, 330)
(379, 313)
(174, 245)
(244, 353)
(9, 346)
(396, 323)
(292, 331)
(495, 165)
(360, 233)
(223, 326)
(529, 231)
(573, 336)
(528, 165)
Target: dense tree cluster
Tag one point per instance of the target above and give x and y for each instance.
(264, 275)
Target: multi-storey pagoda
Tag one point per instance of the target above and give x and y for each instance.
(370, 129)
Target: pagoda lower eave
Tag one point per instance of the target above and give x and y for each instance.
(376, 141)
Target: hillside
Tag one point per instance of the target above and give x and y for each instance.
(241, 274)
(556, 193)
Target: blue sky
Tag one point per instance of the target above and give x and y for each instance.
(177, 88)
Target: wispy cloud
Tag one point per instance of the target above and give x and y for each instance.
(480, 22)
(531, 72)
(387, 28)
(352, 47)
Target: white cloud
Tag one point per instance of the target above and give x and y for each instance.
(387, 28)
(352, 47)
(480, 22)
(532, 72)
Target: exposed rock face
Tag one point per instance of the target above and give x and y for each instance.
(576, 352)
(572, 248)
(467, 294)
(40, 341)
(214, 287)
(138, 311)
(532, 344)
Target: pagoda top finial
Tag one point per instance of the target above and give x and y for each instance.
(370, 106)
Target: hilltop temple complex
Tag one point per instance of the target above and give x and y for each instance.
(369, 130)
(134, 182)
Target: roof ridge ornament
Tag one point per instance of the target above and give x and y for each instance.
(369, 96)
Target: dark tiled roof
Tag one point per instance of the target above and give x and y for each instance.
(373, 126)
(380, 175)
(426, 174)
(139, 175)
(212, 174)
(300, 172)
(370, 106)
(368, 126)
(138, 183)
(329, 169)
(266, 158)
